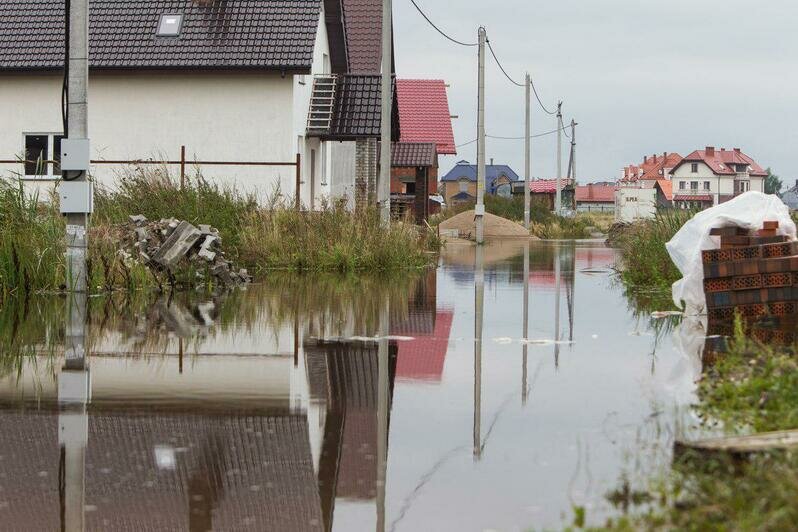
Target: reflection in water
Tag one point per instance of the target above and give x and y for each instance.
(326, 404)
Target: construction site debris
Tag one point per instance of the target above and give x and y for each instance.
(169, 244)
(493, 226)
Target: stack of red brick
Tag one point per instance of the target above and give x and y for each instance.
(755, 275)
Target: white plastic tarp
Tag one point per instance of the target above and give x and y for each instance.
(747, 210)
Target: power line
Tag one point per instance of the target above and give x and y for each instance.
(531, 82)
(461, 43)
(496, 137)
(466, 143)
(506, 75)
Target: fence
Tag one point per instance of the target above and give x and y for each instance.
(182, 163)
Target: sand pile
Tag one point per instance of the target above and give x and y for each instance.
(494, 226)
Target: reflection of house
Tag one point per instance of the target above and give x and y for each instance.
(595, 197)
(460, 183)
(708, 177)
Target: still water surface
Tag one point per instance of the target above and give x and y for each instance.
(325, 404)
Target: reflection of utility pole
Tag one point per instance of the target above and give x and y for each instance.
(524, 378)
(383, 390)
(479, 210)
(557, 305)
(73, 423)
(571, 290)
(479, 300)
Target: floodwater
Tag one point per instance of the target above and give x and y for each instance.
(320, 403)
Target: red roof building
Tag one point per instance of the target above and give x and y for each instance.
(724, 162)
(593, 193)
(424, 113)
(653, 168)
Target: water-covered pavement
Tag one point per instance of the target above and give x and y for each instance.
(319, 403)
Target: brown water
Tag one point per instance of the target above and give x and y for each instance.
(283, 407)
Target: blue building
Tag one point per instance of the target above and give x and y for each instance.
(460, 183)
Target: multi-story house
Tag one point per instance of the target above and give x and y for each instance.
(708, 177)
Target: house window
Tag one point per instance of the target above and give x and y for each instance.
(463, 185)
(742, 186)
(504, 190)
(706, 185)
(694, 168)
(742, 168)
(693, 185)
(682, 185)
(39, 148)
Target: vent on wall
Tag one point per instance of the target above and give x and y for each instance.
(170, 25)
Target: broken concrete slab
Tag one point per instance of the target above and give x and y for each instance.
(137, 219)
(177, 245)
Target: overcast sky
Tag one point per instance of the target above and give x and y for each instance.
(640, 77)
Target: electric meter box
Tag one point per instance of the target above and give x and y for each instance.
(75, 155)
(76, 197)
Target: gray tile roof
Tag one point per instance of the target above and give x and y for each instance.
(363, 35)
(356, 110)
(404, 154)
(274, 34)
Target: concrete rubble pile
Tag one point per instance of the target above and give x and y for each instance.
(167, 244)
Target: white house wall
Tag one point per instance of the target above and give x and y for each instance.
(342, 175)
(227, 116)
(718, 185)
(635, 203)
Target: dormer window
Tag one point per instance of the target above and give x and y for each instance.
(694, 168)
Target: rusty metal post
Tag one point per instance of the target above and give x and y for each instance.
(182, 167)
(297, 200)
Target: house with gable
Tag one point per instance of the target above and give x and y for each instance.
(645, 188)
(459, 185)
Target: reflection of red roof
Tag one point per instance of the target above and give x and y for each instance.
(594, 257)
(596, 193)
(422, 358)
(692, 197)
(424, 113)
(547, 186)
(721, 161)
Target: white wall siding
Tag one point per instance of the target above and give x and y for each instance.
(217, 115)
(342, 176)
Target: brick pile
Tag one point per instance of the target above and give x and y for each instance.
(754, 275)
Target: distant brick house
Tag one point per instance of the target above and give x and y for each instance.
(459, 185)
(544, 192)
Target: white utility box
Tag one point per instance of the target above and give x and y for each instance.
(76, 197)
(75, 155)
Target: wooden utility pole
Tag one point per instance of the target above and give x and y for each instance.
(479, 211)
(384, 185)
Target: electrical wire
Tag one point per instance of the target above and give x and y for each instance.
(501, 67)
(535, 91)
(461, 43)
(466, 143)
(496, 137)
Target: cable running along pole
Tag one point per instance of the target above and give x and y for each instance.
(479, 211)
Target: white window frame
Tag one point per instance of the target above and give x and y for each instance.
(50, 175)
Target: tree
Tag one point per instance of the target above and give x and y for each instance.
(772, 183)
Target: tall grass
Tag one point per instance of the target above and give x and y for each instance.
(646, 263)
(257, 237)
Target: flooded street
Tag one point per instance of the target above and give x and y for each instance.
(318, 403)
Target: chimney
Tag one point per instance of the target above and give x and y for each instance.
(737, 150)
(645, 159)
(710, 151)
(723, 149)
(664, 155)
(491, 161)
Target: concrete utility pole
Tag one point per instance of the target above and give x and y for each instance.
(527, 148)
(479, 211)
(384, 186)
(557, 192)
(75, 186)
(573, 151)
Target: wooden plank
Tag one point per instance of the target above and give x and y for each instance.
(753, 443)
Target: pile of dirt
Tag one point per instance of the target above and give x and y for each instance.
(493, 226)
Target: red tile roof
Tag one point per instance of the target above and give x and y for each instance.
(721, 161)
(547, 186)
(595, 193)
(667, 188)
(692, 197)
(424, 113)
(363, 21)
(652, 167)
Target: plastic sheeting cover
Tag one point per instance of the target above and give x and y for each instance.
(748, 210)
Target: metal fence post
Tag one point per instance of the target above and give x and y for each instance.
(182, 167)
